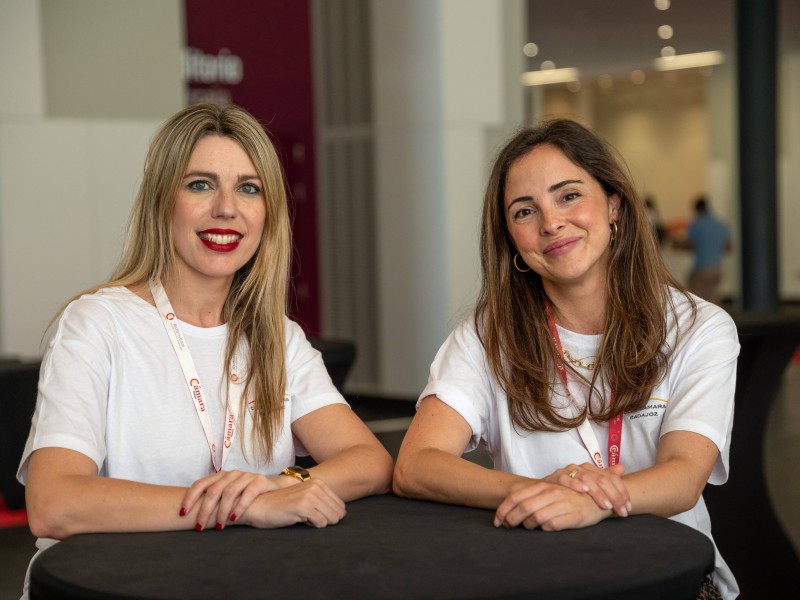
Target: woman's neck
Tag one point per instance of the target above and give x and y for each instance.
(579, 311)
(196, 304)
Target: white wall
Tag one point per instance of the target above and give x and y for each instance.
(117, 59)
(66, 188)
(67, 182)
(21, 66)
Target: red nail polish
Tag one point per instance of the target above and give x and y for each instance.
(183, 511)
(218, 527)
(233, 517)
(198, 527)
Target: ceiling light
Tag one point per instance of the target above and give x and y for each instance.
(665, 32)
(689, 61)
(547, 65)
(550, 76)
(661, 4)
(530, 49)
(638, 77)
(668, 51)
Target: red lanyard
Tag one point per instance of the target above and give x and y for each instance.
(584, 429)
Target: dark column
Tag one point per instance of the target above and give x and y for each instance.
(756, 35)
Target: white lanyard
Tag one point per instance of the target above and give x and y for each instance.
(193, 379)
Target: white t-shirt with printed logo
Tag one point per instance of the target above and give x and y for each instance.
(697, 395)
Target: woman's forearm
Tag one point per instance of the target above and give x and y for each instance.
(432, 474)
(85, 503)
(358, 471)
(674, 484)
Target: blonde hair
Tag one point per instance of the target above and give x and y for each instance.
(510, 315)
(256, 303)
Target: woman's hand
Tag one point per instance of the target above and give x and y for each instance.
(225, 496)
(229, 496)
(311, 502)
(551, 507)
(604, 486)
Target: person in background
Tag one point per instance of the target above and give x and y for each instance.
(709, 239)
(598, 386)
(177, 394)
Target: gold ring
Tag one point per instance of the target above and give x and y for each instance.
(573, 473)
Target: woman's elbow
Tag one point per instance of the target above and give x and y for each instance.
(685, 501)
(693, 497)
(44, 519)
(401, 482)
(385, 470)
(375, 467)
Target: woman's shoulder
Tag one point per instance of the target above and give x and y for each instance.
(692, 313)
(99, 318)
(293, 332)
(466, 337)
(109, 302)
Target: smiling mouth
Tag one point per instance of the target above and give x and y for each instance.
(221, 239)
(560, 245)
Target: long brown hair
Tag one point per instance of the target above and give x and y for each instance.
(256, 304)
(510, 315)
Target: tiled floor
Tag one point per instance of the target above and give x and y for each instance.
(782, 454)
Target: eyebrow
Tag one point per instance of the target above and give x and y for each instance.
(551, 189)
(214, 176)
(560, 184)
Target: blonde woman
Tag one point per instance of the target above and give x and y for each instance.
(598, 386)
(177, 394)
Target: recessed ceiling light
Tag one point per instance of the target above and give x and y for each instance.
(665, 32)
(549, 76)
(661, 4)
(547, 65)
(530, 49)
(689, 61)
(668, 51)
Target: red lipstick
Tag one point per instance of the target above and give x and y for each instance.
(220, 240)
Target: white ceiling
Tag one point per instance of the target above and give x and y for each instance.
(618, 36)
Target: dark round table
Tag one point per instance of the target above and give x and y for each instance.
(386, 547)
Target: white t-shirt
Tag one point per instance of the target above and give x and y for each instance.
(697, 395)
(111, 387)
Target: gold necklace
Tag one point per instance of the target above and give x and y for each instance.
(577, 361)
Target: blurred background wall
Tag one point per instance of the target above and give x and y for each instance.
(409, 102)
(84, 85)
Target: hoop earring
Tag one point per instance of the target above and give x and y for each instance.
(516, 266)
(614, 232)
